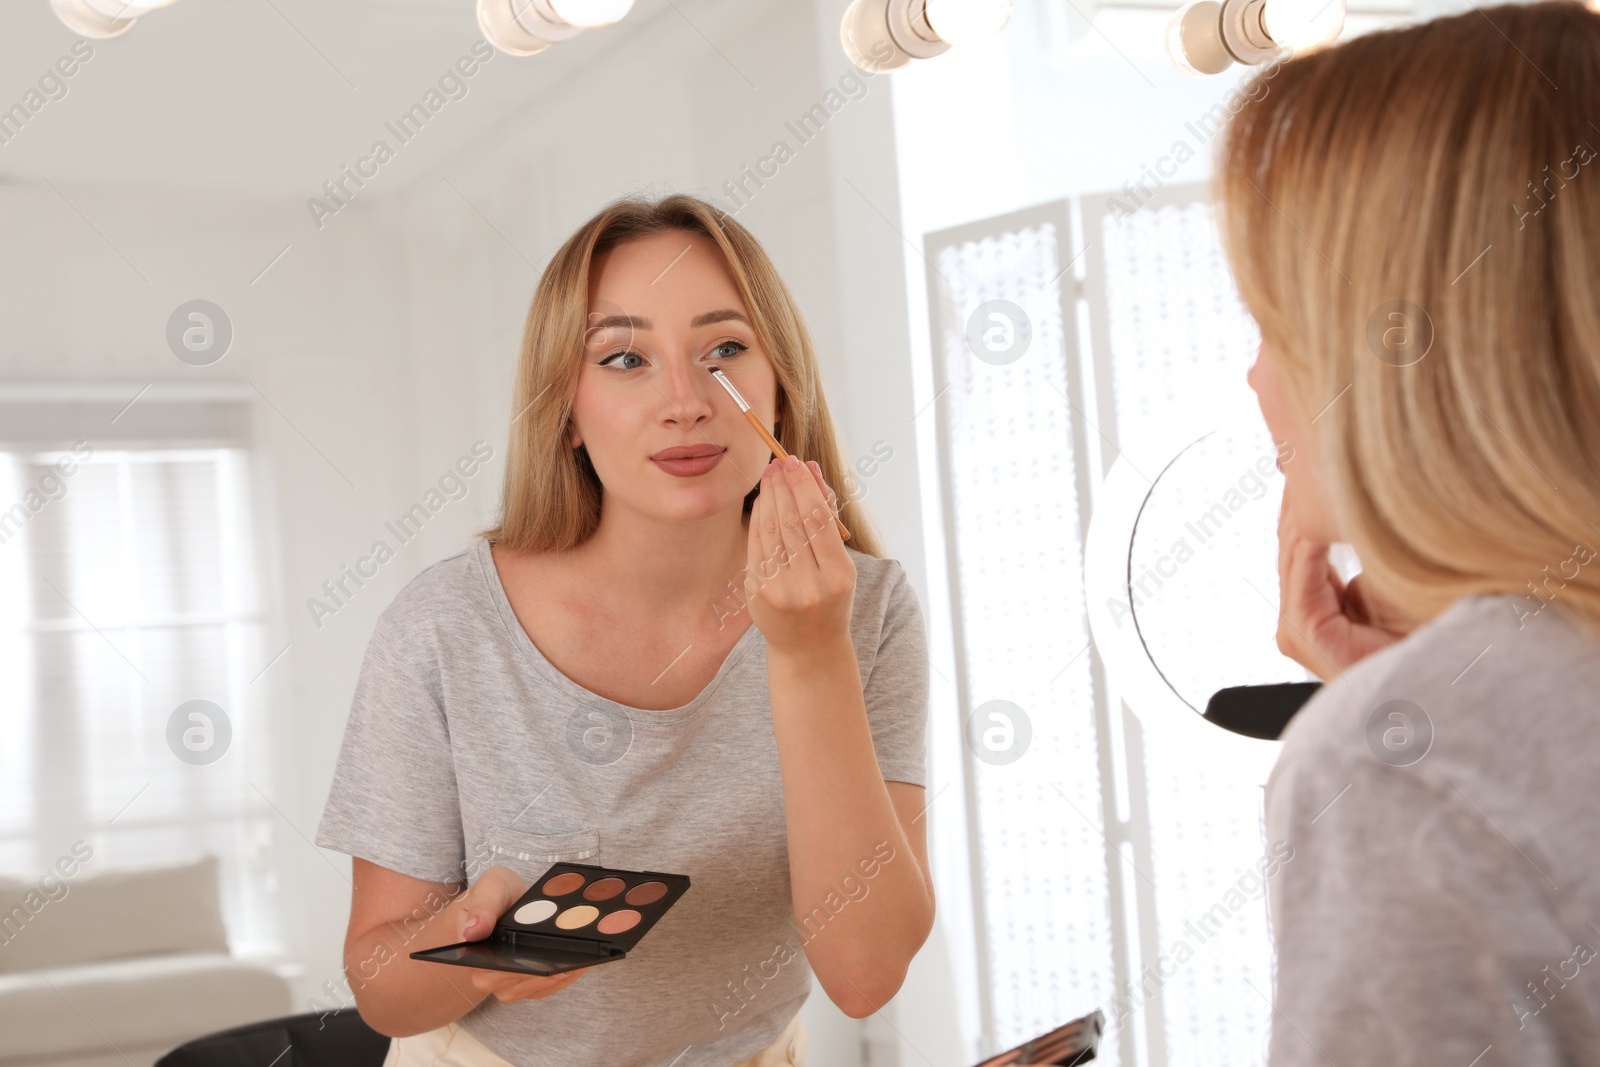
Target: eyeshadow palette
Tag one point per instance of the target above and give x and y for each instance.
(573, 915)
(1065, 1046)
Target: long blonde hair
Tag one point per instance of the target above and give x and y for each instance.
(551, 495)
(1430, 179)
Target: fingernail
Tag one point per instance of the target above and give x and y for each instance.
(472, 922)
(791, 463)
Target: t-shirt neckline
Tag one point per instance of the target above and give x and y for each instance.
(530, 651)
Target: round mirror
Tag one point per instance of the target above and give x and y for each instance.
(1181, 573)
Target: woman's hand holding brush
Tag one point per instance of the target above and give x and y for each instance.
(804, 578)
(777, 447)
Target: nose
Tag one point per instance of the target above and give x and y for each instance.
(688, 391)
(1256, 377)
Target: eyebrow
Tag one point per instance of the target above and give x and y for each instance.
(722, 315)
(634, 322)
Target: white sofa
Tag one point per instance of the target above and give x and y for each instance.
(114, 968)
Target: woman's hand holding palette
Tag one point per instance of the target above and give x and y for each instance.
(574, 915)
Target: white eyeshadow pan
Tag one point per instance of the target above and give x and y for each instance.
(535, 911)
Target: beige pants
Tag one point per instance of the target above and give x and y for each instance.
(451, 1046)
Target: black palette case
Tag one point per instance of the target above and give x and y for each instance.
(574, 915)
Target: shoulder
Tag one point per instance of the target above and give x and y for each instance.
(436, 600)
(882, 586)
(1485, 700)
(887, 626)
(1472, 667)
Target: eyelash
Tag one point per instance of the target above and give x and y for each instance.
(740, 345)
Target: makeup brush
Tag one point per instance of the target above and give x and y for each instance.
(755, 420)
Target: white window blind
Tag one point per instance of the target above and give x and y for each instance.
(127, 588)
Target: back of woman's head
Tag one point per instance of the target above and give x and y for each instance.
(1413, 216)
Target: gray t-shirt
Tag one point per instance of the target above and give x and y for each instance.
(466, 748)
(1442, 905)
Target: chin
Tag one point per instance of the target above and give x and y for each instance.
(701, 506)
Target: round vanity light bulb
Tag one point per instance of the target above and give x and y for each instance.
(1303, 24)
(79, 17)
(962, 22)
(124, 10)
(590, 13)
(501, 28)
(1194, 39)
(865, 37)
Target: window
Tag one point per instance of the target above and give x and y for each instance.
(128, 588)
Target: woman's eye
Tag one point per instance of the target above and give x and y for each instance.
(620, 355)
(727, 350)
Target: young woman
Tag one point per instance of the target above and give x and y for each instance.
(1410, 222)
(653, 664)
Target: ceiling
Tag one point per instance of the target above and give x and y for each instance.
(271, 98)
(268, 98)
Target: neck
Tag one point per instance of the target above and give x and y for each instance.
(667, 570)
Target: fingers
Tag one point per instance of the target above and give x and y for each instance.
(477, 918)
(1306, 597)
(789, 487)
(1325, 624)
(486, 900)
(762, 555)
(789, 514)
(816, 471)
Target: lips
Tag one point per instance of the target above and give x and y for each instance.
(688, 452)
(688, 461)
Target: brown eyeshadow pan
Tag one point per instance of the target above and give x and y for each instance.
(562, 884)
(604, 889)
(646, 893)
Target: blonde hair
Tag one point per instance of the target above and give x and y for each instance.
(551, 495)
(1437, 165)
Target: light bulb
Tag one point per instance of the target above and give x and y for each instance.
(1303, 24)
(125, 10)
(1194, 39)
(84, 20)
(590, 13)
(866, 39)
(501, 28)
(961, 22)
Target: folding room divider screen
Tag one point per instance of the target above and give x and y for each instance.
(1098, 849)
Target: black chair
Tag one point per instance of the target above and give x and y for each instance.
(318, 1039)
